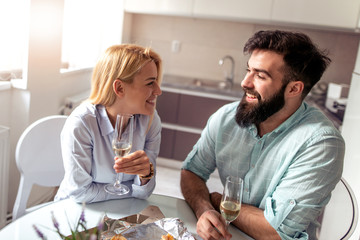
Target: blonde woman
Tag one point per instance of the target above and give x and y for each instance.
(126, 79)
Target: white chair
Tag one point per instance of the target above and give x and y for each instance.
(340, 216)
(38, 159)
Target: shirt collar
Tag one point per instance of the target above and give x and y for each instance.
(283, 126)
(106, 127)
(293, 118)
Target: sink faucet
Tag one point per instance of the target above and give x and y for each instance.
(230, 77)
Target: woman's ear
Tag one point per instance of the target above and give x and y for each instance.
(295, 88)
(118, 87)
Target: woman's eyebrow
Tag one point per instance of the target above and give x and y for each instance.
(151, 79)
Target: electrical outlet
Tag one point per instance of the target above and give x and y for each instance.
(175, 46)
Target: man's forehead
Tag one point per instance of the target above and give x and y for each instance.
(266, 60)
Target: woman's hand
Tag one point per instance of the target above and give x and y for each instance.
(135, 163)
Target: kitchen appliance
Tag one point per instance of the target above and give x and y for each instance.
(336, 98)
(351, 133)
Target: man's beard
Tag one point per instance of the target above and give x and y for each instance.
(248, 113)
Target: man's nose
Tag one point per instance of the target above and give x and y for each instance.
(247, 82)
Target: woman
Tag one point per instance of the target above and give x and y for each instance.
(125, 80)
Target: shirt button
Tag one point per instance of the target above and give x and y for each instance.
(252, 165)
(292, 202)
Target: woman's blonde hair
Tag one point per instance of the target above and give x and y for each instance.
(119, 62)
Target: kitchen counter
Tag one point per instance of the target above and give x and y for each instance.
(202, 87)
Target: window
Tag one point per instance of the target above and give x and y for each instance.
(90, 26)
(13, 18)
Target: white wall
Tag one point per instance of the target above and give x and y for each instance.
(205, 41)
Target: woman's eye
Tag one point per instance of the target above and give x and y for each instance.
(150, 83)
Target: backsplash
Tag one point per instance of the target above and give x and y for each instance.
(203, 42)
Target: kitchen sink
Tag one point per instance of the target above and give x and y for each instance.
(202, 85)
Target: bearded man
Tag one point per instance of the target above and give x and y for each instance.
(288, 153)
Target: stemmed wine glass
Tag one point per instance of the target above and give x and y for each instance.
(231, 199)
(121, 144)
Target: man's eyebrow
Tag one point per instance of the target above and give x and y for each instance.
(260, 70)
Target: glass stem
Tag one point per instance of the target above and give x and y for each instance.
(117, 181)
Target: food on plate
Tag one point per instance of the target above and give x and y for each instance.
(167, 237)
(118, 237)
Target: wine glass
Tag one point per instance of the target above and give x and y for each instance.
(121, 144)
(231, 199)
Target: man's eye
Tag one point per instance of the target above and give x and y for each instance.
(150, 83)
(260, 76)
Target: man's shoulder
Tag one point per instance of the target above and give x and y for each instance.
(315, 122)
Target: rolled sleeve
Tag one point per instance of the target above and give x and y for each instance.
(202, 159)
(305, 187)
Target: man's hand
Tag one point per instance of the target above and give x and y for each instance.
(211, 225)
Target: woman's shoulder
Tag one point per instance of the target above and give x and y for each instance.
(84, 114)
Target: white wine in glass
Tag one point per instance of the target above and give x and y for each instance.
(231, 199)
(121, 144)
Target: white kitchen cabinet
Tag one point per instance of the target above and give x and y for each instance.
(323, 13)
(162, 7)
(258, 10)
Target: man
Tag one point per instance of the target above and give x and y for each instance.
(289, 154)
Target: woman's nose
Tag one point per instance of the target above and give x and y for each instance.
(157, 89)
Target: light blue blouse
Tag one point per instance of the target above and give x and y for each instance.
(289, 172)
(88, 156)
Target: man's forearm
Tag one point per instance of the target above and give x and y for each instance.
(251, 220)
(195, 192)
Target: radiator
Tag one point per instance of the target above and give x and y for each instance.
(4, 172)
(73, 101)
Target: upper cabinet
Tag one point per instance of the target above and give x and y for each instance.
(322, 13)
(336, 14)
(258, 10)
(164, 7)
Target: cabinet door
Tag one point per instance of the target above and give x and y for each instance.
(183, 144)
(234, 9)
(167, 106)
(328, 13)
(167, 143)
(166, 7)
(195, 111)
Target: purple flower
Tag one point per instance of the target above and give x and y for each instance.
(55, 222)
(82, 216)
(75, 232)
(100, 225)
(39, 233)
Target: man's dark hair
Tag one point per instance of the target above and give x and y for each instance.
(303, 60)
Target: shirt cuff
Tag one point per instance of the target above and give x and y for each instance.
(144, 191)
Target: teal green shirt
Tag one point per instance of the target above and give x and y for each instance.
(289, 172)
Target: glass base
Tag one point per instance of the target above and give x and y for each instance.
(119, 190)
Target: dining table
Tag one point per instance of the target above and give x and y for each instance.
(67, 213)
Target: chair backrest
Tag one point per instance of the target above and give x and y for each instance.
(38, 158)
(340, 215)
